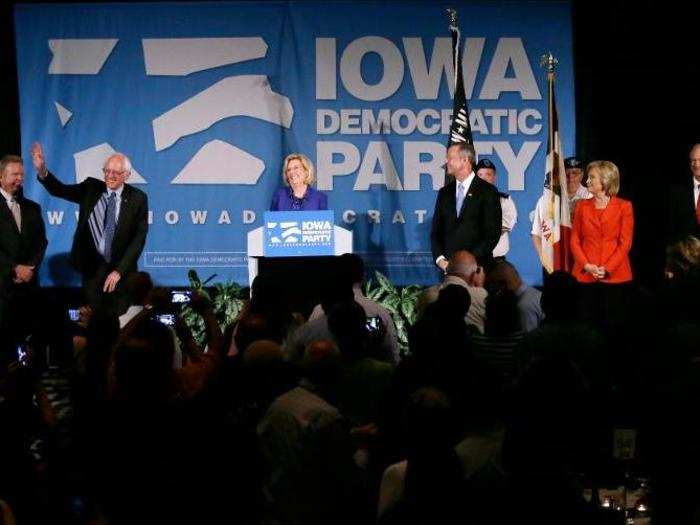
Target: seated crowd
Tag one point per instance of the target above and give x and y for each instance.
(501, 410)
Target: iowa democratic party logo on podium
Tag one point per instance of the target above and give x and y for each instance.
(298, 233)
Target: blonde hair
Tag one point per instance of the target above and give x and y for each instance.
(7, 160)
(305, 163)
(608, 173)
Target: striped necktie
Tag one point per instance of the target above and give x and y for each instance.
(102, 223)
(110, 224)
(16, 213)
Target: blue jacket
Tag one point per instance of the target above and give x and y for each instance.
(313, 200)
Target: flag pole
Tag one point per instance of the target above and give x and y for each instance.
(460, 127)
(555, 221)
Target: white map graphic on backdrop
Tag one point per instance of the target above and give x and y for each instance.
(64, 115)
(89, 163)
(183, 56)
(217, 162)
(79, 56)
(244, 95)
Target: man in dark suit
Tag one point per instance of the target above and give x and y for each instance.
(684, 203)
(111, 231)
(22, 247)
(467, 211)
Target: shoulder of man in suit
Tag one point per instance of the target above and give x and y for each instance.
(451, 183)
(29, 203)
(129, 189)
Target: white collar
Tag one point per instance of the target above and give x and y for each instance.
(8, 196)
(466, 183)
(117, 192)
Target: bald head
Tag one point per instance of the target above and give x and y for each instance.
(503, 276)
(263, 352)
(463, 264)
(319, 351)
(695, 161)
(321, 363)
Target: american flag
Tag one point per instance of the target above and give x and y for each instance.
(460, 130)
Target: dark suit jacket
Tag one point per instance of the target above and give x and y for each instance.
(478, 227)
(681, 218)
(27, 247)
(129, 237)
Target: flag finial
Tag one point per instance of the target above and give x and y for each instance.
(452, 18)
(549, 62)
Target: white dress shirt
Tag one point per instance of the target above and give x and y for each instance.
(509, 216)
(8, 198)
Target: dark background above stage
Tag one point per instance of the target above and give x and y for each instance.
(636, 92)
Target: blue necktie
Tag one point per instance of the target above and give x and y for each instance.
(460, 197)
(110, 224)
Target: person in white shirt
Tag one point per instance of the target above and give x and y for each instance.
(486, 170)
(353, 265)
(575, 191)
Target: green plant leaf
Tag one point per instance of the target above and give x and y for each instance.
(375, 295)
(401, 333)
(408, 309)
(193, 277)
(384, 283)
(391, 303)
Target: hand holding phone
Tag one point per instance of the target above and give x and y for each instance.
(22, 357)
(166, 319)
(180, 296)
(373, 324)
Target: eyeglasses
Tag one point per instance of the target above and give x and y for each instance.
(112, 172)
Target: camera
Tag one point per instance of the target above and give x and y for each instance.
(166, 319)
(373, 324)
(180, 296)
(22, 358)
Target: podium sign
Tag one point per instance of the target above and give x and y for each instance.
(299, 233)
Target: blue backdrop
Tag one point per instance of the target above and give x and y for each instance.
(207, 99)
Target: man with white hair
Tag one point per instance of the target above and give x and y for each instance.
(112, 227)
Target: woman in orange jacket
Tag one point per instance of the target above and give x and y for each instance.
(600, 242)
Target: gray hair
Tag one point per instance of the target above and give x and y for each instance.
(466, 151)
(126, 163)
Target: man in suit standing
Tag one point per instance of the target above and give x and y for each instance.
(22, 247)
(684, 203)
(111, 231)
(467, 211)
